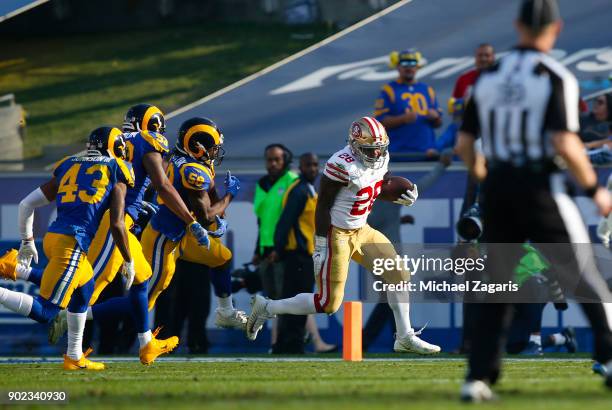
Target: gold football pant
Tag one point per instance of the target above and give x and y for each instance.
(362, 245)
(106, 259)
(162, 253)
(67, 269)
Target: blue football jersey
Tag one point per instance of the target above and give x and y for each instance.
(186, 175)
(84, 186)
(138, 144)
(394, 98)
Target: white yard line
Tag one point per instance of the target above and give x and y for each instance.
(42, 360)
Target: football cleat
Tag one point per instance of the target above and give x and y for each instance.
(476, 391)
(571, 344)
(257, 318)
(411, 343)
(532, 349)
(230, 319)
(8, 265)
(58, 327)
(599, 369)
(83, 363)
(157, 347)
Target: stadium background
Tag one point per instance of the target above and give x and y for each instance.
(306, 103)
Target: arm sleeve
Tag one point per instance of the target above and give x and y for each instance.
(296, 201)
(471, 122)
(35, 199)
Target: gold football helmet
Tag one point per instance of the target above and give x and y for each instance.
(369, 142)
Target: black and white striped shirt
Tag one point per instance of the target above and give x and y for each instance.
(518, 105)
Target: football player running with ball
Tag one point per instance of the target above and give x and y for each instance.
(352, 180)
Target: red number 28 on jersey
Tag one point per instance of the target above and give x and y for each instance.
(361, 206)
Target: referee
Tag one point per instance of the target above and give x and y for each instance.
(525, 109)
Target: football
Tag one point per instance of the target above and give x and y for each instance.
(394, 187)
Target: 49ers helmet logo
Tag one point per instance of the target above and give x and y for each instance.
(356, 131)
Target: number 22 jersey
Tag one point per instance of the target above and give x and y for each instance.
(362, 185)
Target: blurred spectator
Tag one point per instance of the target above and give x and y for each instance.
(293, 243)
(604, 228)
(484, 58)
(596, 124)
(448, 137)
(267, 205)
(409, 109)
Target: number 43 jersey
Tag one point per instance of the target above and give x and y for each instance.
(84, 186)
(362, 185)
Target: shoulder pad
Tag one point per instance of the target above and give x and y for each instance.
(195, 176)
(126, 172)
(341, 166)
(155, 140)
(60, 162)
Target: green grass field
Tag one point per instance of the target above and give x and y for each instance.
(400, 384)
(69, 85)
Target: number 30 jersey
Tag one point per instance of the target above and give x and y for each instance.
(362, 185)
(84, 186)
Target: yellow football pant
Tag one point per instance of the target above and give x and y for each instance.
(106, 259)
(363, 245)
(68, 268)
(162, 253)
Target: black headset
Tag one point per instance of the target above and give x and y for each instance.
(287, 154)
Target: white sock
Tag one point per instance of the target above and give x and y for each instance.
(558, 339)
(16, 301)
(144, 338)
(225, 303)
(536, 339)
(401, 312)
(302, 304)
(76, 326)
(23, 272)
(89, 313)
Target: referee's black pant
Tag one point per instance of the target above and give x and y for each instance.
(519, 206)
(298, 278)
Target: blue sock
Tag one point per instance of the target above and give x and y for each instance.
(222, 281)
(43, 311)
(80, 298)
(36, 276)
(113, 309)
(140, 306)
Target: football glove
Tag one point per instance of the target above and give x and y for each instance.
(320, 253)
(200, 234)
(221, 228)
(232, 184)
(27, 252)
(409, 197)
(128, 272)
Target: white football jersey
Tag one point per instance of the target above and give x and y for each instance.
(354, 201)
